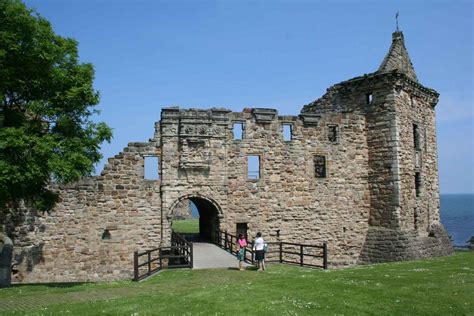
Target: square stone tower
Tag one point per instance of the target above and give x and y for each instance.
(403, 167)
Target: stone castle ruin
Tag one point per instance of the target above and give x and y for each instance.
(357, 169)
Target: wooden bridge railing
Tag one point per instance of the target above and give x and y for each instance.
(282, 252)
(178, 255)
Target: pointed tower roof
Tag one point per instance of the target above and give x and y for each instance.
(397, 58)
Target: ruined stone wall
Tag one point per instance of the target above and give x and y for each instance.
(93, 231)
(182, 211)
(288, 203)
(364, 206)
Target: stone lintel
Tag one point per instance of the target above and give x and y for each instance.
(310, 119)
(263, 115)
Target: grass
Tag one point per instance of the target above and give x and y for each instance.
(439, 286)
(186, 226)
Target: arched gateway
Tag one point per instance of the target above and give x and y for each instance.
(356, 169)
(209, 214)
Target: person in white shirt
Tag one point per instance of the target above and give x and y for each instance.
(258, 247)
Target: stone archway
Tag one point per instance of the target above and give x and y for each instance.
(210, 214)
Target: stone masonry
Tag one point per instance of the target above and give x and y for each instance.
(358, 171)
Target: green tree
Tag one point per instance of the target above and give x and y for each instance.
(46, 106)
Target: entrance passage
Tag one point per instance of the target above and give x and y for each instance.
(207, 256)
(196, 218)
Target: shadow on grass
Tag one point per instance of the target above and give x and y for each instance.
(53, 285)
(249, 268)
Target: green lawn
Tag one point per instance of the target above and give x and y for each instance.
(441, 286)
(186, 226)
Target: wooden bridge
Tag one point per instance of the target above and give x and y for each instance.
(221, 254)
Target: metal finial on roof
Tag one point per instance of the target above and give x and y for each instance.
(396, 18)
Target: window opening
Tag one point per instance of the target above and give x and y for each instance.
(416, 137)
(152, 168)
(320, 166)
(253, 167)
(417, 183)
(333, 131)
(241, 228)
(287, 132)
(238, 130)
(106, 235)
(369, 98)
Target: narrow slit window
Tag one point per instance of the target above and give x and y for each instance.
(332, 133)
(416, 136)
(417, 184)
(152, 168)
(287, 132)
(238, 130)
(320, 166)
(253, 167)
(369, 98)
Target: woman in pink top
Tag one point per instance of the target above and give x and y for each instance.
(242, 243)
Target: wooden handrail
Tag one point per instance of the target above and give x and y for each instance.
(180, 249)
(225, 240)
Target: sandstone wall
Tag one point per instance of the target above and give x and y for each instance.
(288, 203)
(415, 108)
(94, 229)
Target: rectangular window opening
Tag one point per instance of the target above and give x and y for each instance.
(238, 130)
(320, 166)
(287, 132)
(253, 167)
(152, 168)
(417, 184)
(241, 228)
(369, 98)
(332, 133)
(416, 136)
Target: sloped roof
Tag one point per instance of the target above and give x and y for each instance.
(397, 58)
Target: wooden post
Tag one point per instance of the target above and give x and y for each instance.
(149, 262)
(225, 240)
(191, 255)
(135, 266)
(301, 255)
(281, 252)
(325, 256)
(252, 254)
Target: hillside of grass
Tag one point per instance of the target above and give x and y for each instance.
(186, 226)
(439, 286)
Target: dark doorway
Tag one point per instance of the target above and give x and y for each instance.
(242, 229)
(202, 220)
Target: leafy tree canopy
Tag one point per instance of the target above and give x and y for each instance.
(46, 104)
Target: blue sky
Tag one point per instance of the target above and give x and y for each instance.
(279, 54)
